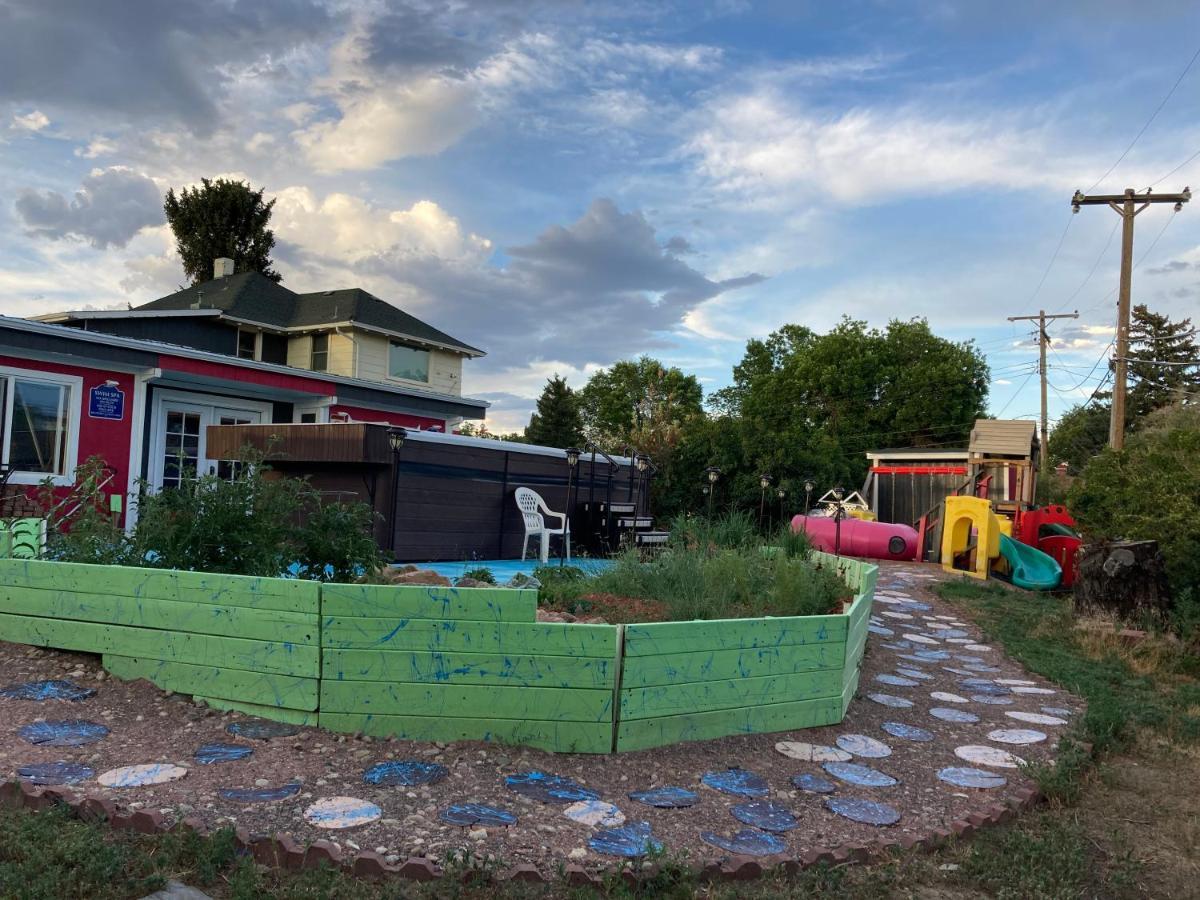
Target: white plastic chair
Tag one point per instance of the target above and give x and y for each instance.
(533, 510)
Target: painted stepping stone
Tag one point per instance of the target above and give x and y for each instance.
(473, 815)
(216, 753)
(995, 690)
(260, 795)
(867, 812)
(628, 841)
(595, 813)
(63, 733)
(863, 776)
(982, 667)
(898, 645)
(913, 673)
(946, 714)
(806, 752)
(943, 618)
(993, 699)
(55, 773)
(968, 659)
(336, 813)
(947, 697)
(892, 614)
(262, 729)
(917, 606)
(1058, 711)
(55, 689)
(920, 639)
(814, 784)
(666, 797)
(1024, 689)
(958, 640)
(1016, 681)
(1036, 718)
(765, 814)
(936, 626)
(951, 633)
(880, 630)
(953, 671)
(548, 788)
(895, 680)
(962, 776)
(738, 782)
(141, 775)
(988, 756)
(932, 655)
(890, 700)
(405, 773)
(908, 732)
(746, 842)
(1016, 736)
(861, 745)
(979, 648)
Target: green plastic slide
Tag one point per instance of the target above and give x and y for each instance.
(1031, 568)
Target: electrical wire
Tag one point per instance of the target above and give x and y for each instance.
(1141, 259)
(1157, 181)
(1153, 116)
(1050, 265)
(1091, 271)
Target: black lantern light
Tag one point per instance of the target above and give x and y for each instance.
(573, 454)
(713, 474)
(396, 437)
(764, 482)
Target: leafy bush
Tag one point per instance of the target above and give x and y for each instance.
(734, 530)
(481, 573)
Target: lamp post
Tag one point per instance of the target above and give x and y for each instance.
(839, 512)
(809, 487)
(396, 437)
(713, 474)
(764, 482)
(573, 454)
(780, 493)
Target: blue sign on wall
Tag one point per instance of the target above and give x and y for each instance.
(105, 401)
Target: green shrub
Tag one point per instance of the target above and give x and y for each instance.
(482, 573)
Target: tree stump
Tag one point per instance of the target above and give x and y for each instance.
(1124, 579)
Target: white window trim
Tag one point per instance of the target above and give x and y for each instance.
(200, 402)
(258, 338)
(399, 378)
(71, 456)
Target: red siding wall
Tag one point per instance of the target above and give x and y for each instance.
(362, 414)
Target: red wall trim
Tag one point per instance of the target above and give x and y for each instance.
(919, 470)
(313, 386)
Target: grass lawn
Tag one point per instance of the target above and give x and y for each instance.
(1121, 822)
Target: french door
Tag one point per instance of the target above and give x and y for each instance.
(179, 450)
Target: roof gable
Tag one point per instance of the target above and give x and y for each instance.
(361, 308)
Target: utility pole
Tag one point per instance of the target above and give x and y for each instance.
(1043, 342)
(1127, 206)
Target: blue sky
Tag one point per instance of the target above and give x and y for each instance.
(565, 184)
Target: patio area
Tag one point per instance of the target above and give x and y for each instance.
(503, 570)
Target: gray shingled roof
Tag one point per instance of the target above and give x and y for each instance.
(252, 297)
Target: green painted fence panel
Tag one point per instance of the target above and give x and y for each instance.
(642, 734)
(429, 602)
(660, 638)
(227, 684)
(274, 713)
(554, 639)
(557, 737)
(467, 701)
(421, 667)
(714, 665)
(678, 699)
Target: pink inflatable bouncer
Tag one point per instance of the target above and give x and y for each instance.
(873, 540)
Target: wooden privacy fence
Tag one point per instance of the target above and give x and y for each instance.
(444, 664)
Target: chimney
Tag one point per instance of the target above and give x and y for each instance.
(222, 266)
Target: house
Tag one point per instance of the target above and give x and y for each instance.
(140, 387)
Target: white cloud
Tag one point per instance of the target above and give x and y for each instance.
(97, 146)
(33, 121)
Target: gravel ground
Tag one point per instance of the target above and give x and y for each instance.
(150, 726)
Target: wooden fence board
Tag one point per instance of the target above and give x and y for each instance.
(228, 684)
(669, 700)
(423, 667)
(429, 602)
(560, 737)
(201, 649)
(712, 665)
(164, 615)
(639, 734)
(660, 638)
(555, 639)
(467, 701)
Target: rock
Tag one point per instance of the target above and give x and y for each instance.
(177, 890)
(578, 853)
(465, 582)
(421, 576)
(477, 834)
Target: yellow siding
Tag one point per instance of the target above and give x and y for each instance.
(366, 356)
(341, 355)
(299, 351)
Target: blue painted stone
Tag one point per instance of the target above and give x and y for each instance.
(666, 797)
(1060, 711)
(992, 699)
(913, 673)
(890, 700)
(973, 660)
(916, 604)
(215, 753)
(864, 776)
(39, 691)
(738, 782)
(908, 732)
(548, 788)
(880, 630)
(964, 776)
(868, 812)
(863, 745)
(814, 784)
(899, 645)
(405, 773)
(765, 814)
(628, 841)
(953, 715)
(55, 773)
(67, 733)
(952, 633)
(932, 655)
(746, 842)
(953, 671)
(995, 690)
(981, 667)
(260, 795)
(468, 815)
(895, 680)
(261, 729)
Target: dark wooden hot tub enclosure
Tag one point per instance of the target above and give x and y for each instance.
(454, 495)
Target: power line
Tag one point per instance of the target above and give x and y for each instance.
(1050, 265)
(1015, 394)
(1092, 271)
(1158, 181)
(1153, 116)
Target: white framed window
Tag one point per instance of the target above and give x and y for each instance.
(179, 423)
(319, 355)
(249, 344)
(40, 413)
(409, 363)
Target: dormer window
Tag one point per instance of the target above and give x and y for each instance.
(408, 363)
(247, 344)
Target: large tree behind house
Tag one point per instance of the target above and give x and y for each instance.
(221, 218)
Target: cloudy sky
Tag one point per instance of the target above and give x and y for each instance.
(569, 183)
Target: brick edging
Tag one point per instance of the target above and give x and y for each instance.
(282, 851)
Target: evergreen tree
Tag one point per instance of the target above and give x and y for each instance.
(557, 422)
(221, 218)
(1164, 363)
